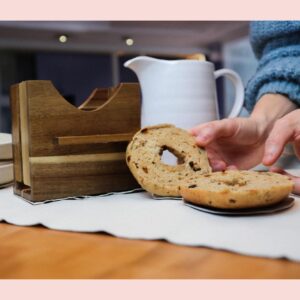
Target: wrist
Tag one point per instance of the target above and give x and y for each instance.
(263, 125)
(269, 109)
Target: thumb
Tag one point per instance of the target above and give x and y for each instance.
(278, 138)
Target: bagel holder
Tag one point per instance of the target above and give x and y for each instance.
(62, 151)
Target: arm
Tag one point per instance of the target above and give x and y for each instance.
(277, 46)
(276, 84)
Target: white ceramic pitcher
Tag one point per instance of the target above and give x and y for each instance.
(181, 92)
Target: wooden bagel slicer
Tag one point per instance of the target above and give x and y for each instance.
(60, 150)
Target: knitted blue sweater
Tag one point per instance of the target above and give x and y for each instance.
(277, 46)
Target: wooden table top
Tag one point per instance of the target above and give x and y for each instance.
(36, 252)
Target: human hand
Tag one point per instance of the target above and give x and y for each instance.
(295, 179)
(285, 130)
(239, 142)
(232, 143)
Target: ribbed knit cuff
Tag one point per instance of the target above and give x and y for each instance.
(281, 75)
(288, 89)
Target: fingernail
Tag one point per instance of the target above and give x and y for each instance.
(218, 165)
(204, 134)
(231, 167)
(202, 139)
(207, 131)
(271, 151)
(268, 159)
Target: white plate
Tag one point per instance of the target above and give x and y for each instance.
(6, 172)
(284, 204)
(5, 146)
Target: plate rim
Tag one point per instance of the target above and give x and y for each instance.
(277, 207)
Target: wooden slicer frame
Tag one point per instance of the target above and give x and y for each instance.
(61, 150)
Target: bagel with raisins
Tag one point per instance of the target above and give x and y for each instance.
(143, 157)
(237, 189)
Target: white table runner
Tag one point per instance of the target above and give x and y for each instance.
(138, 216)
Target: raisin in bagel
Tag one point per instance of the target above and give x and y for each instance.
(237, 189)
(144, 153)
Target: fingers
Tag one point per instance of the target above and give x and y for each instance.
(285, 130)
(218, 165)
(208, 132)
(296, 147)
(280, 135)
(216, 162)
(278, 170)
(296, 180)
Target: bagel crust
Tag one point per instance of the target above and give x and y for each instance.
(143, 157)
(237, 189)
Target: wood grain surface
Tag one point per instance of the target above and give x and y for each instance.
(50, 135)
(36, 252)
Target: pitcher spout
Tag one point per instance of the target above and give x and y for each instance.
(139, 63)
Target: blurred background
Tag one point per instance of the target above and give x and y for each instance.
(78, 56)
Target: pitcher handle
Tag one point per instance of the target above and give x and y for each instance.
(239, 90)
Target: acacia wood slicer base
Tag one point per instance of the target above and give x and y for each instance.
(61, 150)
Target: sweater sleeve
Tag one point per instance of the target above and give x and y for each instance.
(277, 46)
